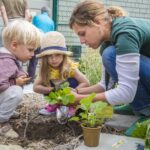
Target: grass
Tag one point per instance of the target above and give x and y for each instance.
(90, 65)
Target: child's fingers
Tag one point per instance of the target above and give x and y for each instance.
(23, 76)
(27, 79)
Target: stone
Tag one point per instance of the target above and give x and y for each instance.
(114, 142)
(10, 147)
(121, 122)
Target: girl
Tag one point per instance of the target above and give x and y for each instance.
(55, 68)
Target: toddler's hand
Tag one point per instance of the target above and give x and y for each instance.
(22, 80)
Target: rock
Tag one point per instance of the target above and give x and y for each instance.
(10, 147)
(121, 122)
(11, 134)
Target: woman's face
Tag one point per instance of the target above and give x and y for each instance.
(92, 35)
(55, 60)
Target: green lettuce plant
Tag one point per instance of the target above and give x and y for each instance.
(61, 95)
(93, 114)
(140, 129)
(147, 138)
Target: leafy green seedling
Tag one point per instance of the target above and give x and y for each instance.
(147, 138)
(93, 114)
(61, 95)
(61, 85)
(140, 130)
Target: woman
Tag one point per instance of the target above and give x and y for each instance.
(17, 9)
(125, 49)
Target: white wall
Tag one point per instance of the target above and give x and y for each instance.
(35, 5)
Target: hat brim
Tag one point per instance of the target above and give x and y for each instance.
(50, 52)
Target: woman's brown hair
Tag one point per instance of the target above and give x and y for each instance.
(86, 12)
(116, 11)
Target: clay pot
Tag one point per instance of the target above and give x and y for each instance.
(91, 136)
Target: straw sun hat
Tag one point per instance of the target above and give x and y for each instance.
(53, 43)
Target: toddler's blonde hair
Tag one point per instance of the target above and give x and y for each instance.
(23, 32)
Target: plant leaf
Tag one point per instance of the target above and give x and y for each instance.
(86, 102)
(62, 96)
(74, 119)
(83, 115)
(106, 112)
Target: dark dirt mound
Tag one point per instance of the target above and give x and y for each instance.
(38, 132)
(42, 132)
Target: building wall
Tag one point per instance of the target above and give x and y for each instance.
(136, 8)
(65, 9)
(35, 6)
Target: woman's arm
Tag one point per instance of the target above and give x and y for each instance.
(4, 15)
(84, 88)
(28, 16)
(127, 67)
(38, 87)
(91, 89)
(99, 96)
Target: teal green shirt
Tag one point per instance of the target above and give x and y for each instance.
(130, 35)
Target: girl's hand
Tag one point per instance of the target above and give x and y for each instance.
(22, 80)
(73, 90)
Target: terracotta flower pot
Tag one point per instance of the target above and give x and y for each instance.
(91, 136)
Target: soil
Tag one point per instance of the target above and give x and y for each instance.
(38, 132)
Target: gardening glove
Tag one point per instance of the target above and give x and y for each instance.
(61, 85)
(62, 114)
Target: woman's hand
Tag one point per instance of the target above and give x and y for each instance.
(74, 92)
